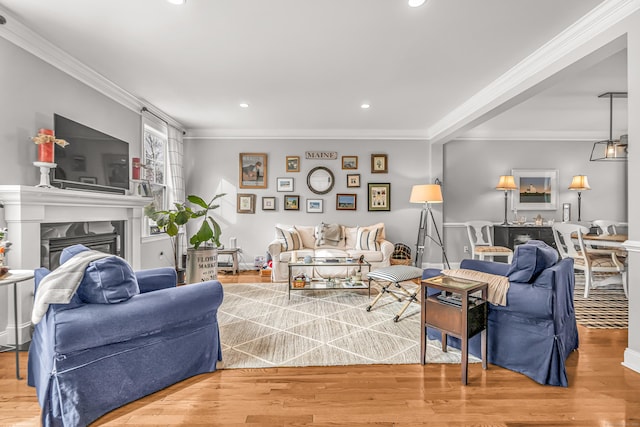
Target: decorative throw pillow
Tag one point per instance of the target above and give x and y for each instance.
(530, 259)
(290, 239)
(367, 239)
(108, 280)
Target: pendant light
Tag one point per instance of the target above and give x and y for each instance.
(610, 150)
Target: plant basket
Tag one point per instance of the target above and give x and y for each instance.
(400, 261)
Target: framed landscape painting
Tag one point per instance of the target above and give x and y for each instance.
(537, 189)
(314, 205)
(350, 162)
(291, 203)
(346, 202)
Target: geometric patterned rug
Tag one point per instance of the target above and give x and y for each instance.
(261, 327)
(606, 307)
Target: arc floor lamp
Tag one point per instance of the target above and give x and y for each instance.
(427, 194)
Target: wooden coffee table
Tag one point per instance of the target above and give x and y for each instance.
(463, 320)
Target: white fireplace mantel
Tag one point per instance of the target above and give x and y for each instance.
(26, 208)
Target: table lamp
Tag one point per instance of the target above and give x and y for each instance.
(506, 183)
(579, 183)
(427, 194)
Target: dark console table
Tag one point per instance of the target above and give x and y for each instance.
(514, 235)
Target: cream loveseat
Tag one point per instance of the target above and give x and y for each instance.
(330, 241)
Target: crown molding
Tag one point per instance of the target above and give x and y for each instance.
(325, 134)
(22, 36)
(532, 135)
(598, 20)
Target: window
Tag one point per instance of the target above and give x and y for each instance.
(154, 154)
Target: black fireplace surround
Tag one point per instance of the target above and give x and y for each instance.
(104, 236)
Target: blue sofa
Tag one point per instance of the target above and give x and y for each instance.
(88, 358)
(536, 331)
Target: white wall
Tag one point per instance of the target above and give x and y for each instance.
(472, 169)
(212, 166)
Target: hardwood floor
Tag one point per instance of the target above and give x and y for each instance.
(601, 393)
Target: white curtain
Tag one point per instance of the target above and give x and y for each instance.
(175, 150)
(176, 175)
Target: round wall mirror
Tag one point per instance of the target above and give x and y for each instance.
(320, 180)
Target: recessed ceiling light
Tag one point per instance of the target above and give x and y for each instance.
(177, 1)
(365, 106)
(416, 3)
(244, 105)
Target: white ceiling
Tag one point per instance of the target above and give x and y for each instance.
(306, 66)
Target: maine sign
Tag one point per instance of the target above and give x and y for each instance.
(321, 155)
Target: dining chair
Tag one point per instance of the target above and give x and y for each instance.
(606, 226)
(570, 244)
(481, 239)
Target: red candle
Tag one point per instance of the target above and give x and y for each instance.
(46, 132)
(135, 165)
(45, 152)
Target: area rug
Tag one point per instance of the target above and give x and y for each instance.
(261, 327)
(606, 307)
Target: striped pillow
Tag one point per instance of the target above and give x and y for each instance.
(367, 239)
(290, 239)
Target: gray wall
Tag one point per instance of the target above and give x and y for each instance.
(472, 169)
(212, 166)
(32, 91)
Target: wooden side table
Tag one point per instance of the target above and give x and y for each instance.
(13, 277)
(462, 321)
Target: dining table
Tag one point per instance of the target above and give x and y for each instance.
(601, 241)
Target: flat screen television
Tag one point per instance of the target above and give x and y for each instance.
(92, 161)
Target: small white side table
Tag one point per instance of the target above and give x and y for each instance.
(14, 277)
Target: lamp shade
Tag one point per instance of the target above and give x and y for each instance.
(427, 193)
(506, 183)
(579, 183)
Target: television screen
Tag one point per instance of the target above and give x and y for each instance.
(93, 160)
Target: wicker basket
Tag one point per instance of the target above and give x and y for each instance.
(298, 284)
(400, 261)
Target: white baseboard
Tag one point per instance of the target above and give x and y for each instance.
(632, 359)
(8, 337)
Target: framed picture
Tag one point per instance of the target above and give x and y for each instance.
(379, 197)
(253, 170)
(379, 163)
(350, 162)
(291, 203)
(346, 202)
(284, 184)
(293, 164)
(159, 195)
(537, 189)
(268, 203)
(89, 179)
(246, 203)
(353, 180)
(314, 205)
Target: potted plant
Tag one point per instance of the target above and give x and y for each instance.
(202, 258)
(170, 221)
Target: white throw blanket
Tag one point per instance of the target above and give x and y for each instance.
(497, 288)
(59, 286)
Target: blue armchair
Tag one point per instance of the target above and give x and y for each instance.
(87, 359)
(536, 331)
